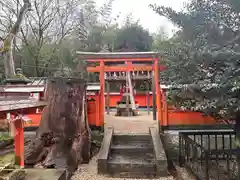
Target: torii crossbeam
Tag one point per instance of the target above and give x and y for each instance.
(124, 62)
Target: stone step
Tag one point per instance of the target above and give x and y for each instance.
(132, 156)
(131, 149)
(131, 166)
(141, 140)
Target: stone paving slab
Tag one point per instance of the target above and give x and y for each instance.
(130, 125)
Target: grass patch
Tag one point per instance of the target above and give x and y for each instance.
(8, 158)
(5, 136)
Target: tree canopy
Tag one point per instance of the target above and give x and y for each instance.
(205, 53)
(134, 37)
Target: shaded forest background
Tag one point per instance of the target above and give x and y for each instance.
(53, 30)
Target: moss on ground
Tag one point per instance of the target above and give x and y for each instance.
(8, 158)
(5, 136)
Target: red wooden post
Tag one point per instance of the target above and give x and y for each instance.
(102, 91)
(165, 108)
(158, 95)
(19, 142)
(97, 103)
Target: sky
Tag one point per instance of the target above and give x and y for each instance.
(147, 17)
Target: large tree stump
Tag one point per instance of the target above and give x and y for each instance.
(63, 137)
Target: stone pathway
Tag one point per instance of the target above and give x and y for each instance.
(130, 125)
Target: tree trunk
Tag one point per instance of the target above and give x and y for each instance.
(9, 65)
(63, 137)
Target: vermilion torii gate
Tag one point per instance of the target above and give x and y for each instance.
(125, 62)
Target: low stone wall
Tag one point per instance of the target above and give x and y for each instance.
(159, 153)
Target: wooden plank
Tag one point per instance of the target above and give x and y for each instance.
(131, 91)
(117, 55)
(127, 97)
(22, 89)
(116, 60)
(16, 105)
(124, 79)
(123, 68)
(37, 88)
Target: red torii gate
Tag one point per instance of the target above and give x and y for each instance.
(14, 110)
(147, 61)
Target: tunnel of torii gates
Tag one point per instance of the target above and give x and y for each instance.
(120, 62)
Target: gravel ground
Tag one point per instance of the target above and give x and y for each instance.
(183, 174)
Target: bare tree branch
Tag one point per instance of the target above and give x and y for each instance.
(8, 44)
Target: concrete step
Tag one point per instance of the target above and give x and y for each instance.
(131, 166)
(132, 156)
(131, 149)
(136, 140)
